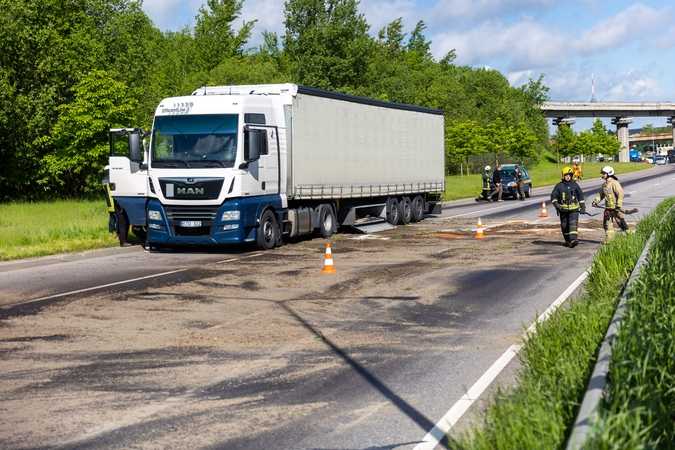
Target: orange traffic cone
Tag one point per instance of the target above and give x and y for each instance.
(479, 230)
(543, 210)
(328, 266)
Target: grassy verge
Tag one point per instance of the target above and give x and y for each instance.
(546, 173)
(639, 410)
(39, 229)
(556, 361)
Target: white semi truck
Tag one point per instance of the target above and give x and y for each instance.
(262, 163)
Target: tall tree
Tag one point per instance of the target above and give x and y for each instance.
(463, 139)
(80, 136)
(326, 43)
(214, 35)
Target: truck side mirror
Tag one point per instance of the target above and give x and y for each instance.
(135, 148)
(252, 145)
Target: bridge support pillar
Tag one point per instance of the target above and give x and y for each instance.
(671, 120)
(622, 135)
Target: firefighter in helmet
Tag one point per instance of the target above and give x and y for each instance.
(568, 200)
(485, 194)
(612, 192)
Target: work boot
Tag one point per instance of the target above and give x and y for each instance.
(628, 231)
(574, 243)
(567, 243)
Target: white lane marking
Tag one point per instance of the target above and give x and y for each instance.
(438, 432)
(131, 280)
(631, 192)
(656, 184)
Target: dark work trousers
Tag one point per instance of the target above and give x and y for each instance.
(122, 223)
(521, 191)
(568, 223)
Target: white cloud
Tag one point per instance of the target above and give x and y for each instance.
(623, 28)
(635, 85)
(524, 45)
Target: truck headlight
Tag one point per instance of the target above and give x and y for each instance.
(154, 215)
(231, 215)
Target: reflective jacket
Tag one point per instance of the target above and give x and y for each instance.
(612, 192)
(486, 180)
(568, 195)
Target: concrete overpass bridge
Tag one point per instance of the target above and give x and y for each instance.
(565, 113)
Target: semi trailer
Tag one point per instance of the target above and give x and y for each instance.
(264, 163)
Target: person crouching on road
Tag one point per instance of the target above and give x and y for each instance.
(568, 200)
(612, 192)
(485, 194)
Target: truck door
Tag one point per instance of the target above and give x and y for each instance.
(271, 163)
(262, 177)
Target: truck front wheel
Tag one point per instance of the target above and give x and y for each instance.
(267, 231)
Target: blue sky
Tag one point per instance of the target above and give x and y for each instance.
(629, 46)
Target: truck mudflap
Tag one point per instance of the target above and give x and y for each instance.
(435, 208)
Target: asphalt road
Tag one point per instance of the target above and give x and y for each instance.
(125, 349)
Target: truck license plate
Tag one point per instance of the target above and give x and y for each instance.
(190, 223)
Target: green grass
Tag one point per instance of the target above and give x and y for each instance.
(639, 410)
(557, 360)
(545, 173)
(47, 228)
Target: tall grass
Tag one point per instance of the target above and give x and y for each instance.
(639, 410)
(47, 228)
(539, 410)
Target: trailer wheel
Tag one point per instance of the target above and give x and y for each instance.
(404, 211)
(417, 209)
(392, 211)
(267, 231)
(326, 222)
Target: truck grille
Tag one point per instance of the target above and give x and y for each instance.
(205, 214)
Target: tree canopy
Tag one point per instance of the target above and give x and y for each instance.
(69, 71)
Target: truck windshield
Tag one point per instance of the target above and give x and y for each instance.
(194, 141)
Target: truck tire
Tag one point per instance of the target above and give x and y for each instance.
(326, 222)
(267, 231)
(404, 211)
(392, 211)
(417, 209)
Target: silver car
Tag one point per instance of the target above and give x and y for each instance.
(660, 160)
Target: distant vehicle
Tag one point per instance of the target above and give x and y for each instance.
(660, 160)
(671, 156)
(576, 159)
(634, 156)
(509, 185)
(649, 160)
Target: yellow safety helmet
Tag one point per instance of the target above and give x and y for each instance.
(567, 170)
